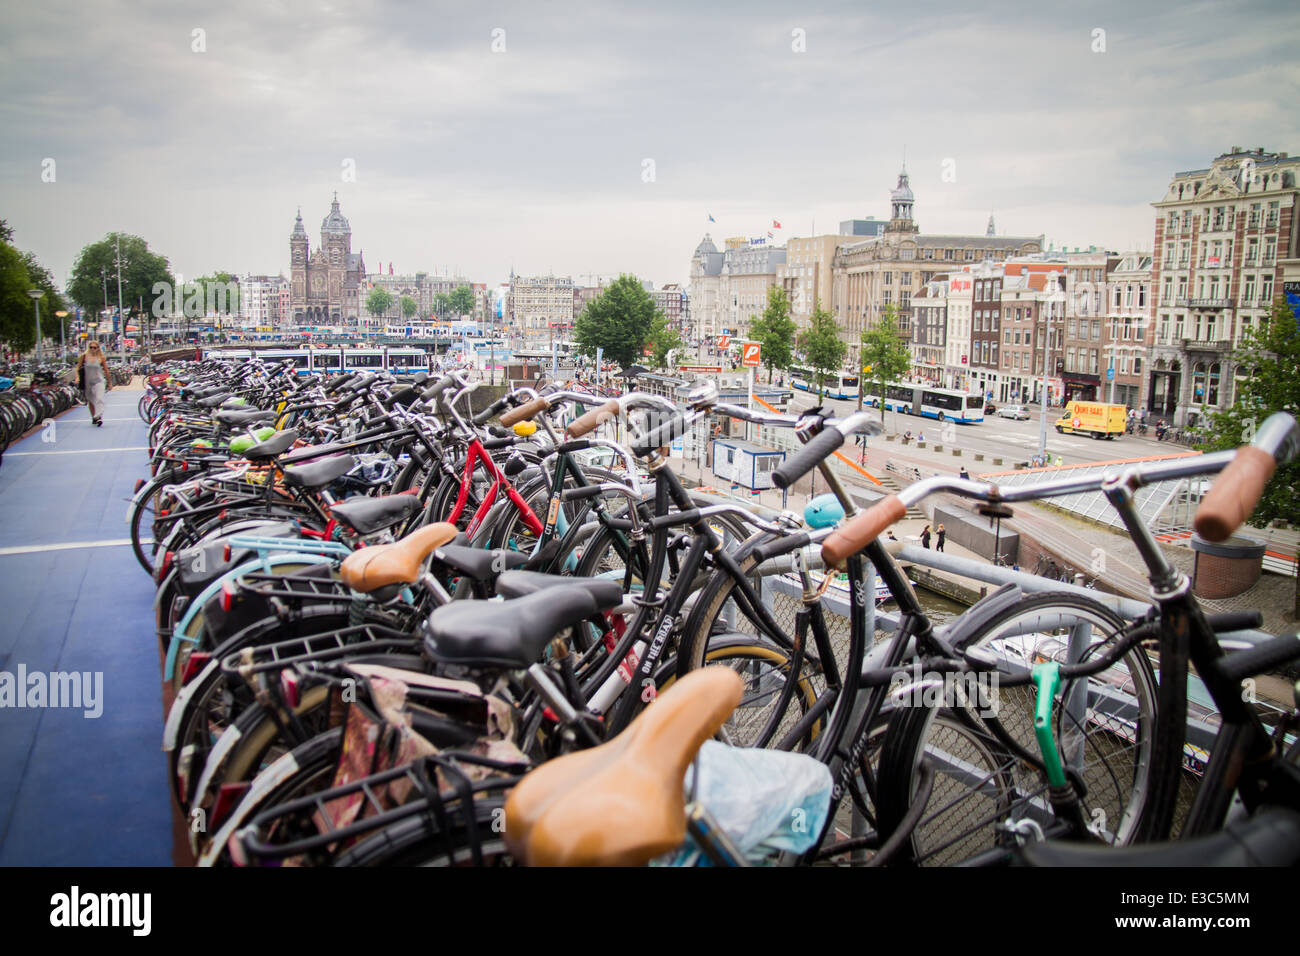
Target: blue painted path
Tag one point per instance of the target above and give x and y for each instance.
(76, 790)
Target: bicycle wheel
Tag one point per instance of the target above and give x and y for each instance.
(512, 533)
(1104, 727)
(143, 517)
(718, 621)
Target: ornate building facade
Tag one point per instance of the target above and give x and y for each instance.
(325, 285)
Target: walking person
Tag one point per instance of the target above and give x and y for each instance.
(92, 374)
(939, 538)
(925, 537)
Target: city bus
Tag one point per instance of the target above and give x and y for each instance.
(836, 385)
(943, 404)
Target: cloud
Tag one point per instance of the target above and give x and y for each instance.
(533, 156)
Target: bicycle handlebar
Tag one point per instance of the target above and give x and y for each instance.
(524, 412)
(808, 457)
(1234, 495)
(588, 421)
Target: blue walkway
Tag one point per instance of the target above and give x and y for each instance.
(76, 789)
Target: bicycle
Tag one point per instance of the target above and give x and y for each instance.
(1182, 632)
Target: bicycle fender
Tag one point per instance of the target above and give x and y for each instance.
(973, 621)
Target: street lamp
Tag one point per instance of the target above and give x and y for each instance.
(1055, 297)
(63, 345)
(36, 295)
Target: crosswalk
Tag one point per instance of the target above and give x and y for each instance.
(1056, 441)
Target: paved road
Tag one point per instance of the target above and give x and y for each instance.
(1012, 440)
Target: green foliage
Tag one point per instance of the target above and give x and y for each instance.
(141, 270)
(885, 355)
(19, 272)
(663, 340)
(774, 330)
(409, 306)
(441, 304)
(17, 315)
(619, 320)
(379, 301)
(1271, 355)
(821, 346)
(461, 300)
(218, 292)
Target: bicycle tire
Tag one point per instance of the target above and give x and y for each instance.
(1118, 771)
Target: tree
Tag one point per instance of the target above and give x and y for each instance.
(461, 300)
(142, 270)
(218, 292)
(619, 320)
(441, 304)
(774, 330)
(885, 356)
(20, 272)
(379, 301)
(821, 346)
(1270, 353)
(663, 339)
(17, 317)
(409, 306)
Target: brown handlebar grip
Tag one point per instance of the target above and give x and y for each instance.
(524, 412)
(862, 530)
(1234, 494)
(589, 420)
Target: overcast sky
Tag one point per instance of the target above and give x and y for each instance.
(535, 157)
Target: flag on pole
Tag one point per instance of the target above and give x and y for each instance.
(770, 234)
(711, 219)
(776, 224)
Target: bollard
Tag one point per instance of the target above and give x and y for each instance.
(956, 453)
(997, 461)
(938, 448)
(979, 456)
(920, 444)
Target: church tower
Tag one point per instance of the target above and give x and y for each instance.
(900, 205)
(299, 253)
(336, 243)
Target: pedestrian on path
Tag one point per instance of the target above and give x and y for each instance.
(92, 374)
(964, 475)
(925, 537)
(938, 544)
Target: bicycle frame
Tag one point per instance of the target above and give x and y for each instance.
(477, 457)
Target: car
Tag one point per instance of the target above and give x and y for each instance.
(1014, 411)
(990, 408)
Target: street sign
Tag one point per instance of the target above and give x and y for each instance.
(724, 342)
(750, 356)
(1110, 374)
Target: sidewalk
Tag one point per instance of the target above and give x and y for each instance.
(76, 789)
